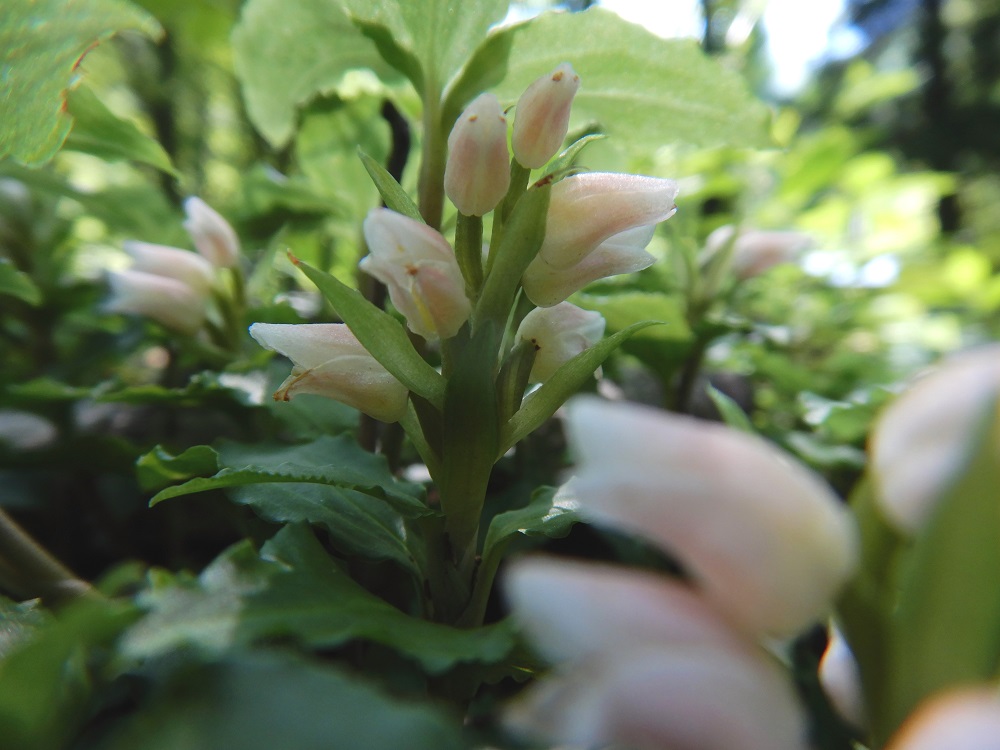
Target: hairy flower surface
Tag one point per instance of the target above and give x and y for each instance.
(173, 303)
(598, 225)
(477, 174)
(643, 662)
(419, 268)
(923, 439)
(542, 116)
(558, 334)
(764, 538)
(212, 235)
(330, 361)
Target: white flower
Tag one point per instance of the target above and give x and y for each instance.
(212, 235)
(763, 537)
(558, 334)
(477, 174)
(420, 270)
(172, 262)
(330, 361)
(755, 251)
(542, 116)
(922, 441)
(173, 303)
(962, 719)
(840, 677)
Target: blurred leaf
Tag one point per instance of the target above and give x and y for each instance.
(18, 284)
(265, 701)
(381, 334)
(567, 380)
(18, 622)
(44, 42)
(430, 40)
(295, 590)
(944, 632)
(732, 414)
(158, 468)
(99, 132)
(639, 88)
(287, 53)
(46, 680)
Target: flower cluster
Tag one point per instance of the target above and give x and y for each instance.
(648, 661)
(174, 286)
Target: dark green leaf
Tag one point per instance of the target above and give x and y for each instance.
(43, 42)
(99, 132)
(158, 468)
(381, 334)
(566, 381)
(18, 621)
(18, 284)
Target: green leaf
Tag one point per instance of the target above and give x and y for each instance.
(334, 461)
(945, 630)
(381, 334)
(567, 158)
(288, 53)
(437, 35)
(18, 621)
(43, 43)
(391, 191)
(639, 88)
(99, 132)
(566, 381)
(265, 701)
(731, 412)
(158, 468)
(295, 590)
(18, 284)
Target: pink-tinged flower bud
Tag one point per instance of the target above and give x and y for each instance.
(840, 677)
(763, 537)
(212, 235)
(419, 267)
(542, 116)
(558, 334)
(649, 664)
(962, 719)
(166, 300)
(597, 226)
(330, 361)
(477, 174)
(755, 251)
(922, 441)
(172, 262)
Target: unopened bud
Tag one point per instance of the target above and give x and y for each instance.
(477, 174)
(542, 116)
(558, 334)
(212, 235)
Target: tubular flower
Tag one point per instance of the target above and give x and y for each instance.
(419, 267)
(168, 301)
(597, 226)
(643, 662)
(543, 116)
(558, 334)
(755, 251)
(212, 235)
(962, 719)
(172, 262)
(923, 439)
(477, 174)
(763, 538)
(329, 361)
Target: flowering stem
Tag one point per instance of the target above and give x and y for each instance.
(432, 162)
(469, 252)
(518, 185)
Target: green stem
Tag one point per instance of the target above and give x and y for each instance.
(28, 570)
(469, 253)
(519, 177)
(434, 154)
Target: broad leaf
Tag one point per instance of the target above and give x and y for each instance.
(99, 132)
(264, 701)
(295, 590)
(566, 381)
(18, 284)
(381, 334)
(639, 88)
(43, 43)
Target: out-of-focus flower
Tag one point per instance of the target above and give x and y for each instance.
(643, 662)
(212, 235)
(841, 679)
(597, 226)
(167, 300)
(755, 251)
(330, 361)
(477, 174)
(764, 538)
(542, 116)
(558, 334)
(924, 438)
(172, 262)
(420, 270)
(963, 719)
